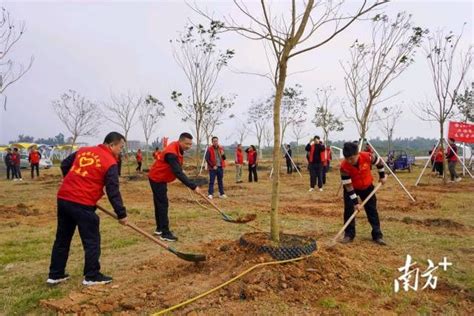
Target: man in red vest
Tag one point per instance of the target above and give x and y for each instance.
(215, 158)
(315, 149)
(239, 162)
(139, 158)
(357, 180)
(86, 172)
(34, 158)
(165, 170)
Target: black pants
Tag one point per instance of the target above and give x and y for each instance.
(139, 167)
(289, 166)
(70, 215)
(370, 209)
(316, 174)
(160, 201)
(219, 174)
(253, 172)
(439, 167)
(324, 171)
(16, 172)
(10, 170)
(33, 167)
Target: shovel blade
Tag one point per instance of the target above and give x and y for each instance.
(194, 257)
(240, 220)
(191, 257)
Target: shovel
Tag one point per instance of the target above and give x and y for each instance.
(333, 242)
(185, 256)
(240, 220)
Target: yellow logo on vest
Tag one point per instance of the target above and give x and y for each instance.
(86, 160)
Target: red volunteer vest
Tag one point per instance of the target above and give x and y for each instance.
(34, 157)
(212, 156)
(453, 158)
(361, 177)
(239, 157)
(156, 155)
(161, 171)
(84, 183)
(311, 154)
(16, 158)
(139, 157)
(252, 157)
(439, 156)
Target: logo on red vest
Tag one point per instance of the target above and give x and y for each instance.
(86, 161)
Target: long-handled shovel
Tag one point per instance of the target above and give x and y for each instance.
(333, 242)
(240, 220)
(185, 256)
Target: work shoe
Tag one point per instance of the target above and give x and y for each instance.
(320, 189)
(346, 240)
(168, 236)
(210, 197)
(458, 179)
(57, 280)
(98, 279)
(311, 190)
(223, 196)
(380, 241)
(158, 232)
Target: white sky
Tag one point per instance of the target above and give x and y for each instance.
(97, 48)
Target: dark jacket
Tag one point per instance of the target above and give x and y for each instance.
(8, 159)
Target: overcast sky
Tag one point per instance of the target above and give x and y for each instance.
(99, 48)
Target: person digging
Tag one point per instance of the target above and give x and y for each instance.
(86, 172)
(357, 180)
(166, 169)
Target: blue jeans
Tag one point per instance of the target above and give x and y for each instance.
(219, 173)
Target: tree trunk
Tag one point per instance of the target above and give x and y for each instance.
(197, 155)
(441, 141)
(274, 220)
(74, 138)
(146, 152)
(362, 137)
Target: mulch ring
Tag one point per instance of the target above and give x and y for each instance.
(289, 247)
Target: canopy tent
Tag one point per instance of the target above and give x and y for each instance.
(24, 146)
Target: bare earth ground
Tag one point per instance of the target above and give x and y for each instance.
(347, 279)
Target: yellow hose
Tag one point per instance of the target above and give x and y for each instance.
(226, 283)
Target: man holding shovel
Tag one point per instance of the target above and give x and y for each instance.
(166, 169)
(357, 180)
(86, 172)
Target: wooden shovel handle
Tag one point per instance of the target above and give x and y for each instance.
(357, 211)
(135, 228)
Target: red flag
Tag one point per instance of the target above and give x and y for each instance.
(461, 132)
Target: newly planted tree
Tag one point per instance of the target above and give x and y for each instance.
(290, 32)
(202, 62)
(150, 112)
(374, 65)
(80, 116)
(449, 67)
